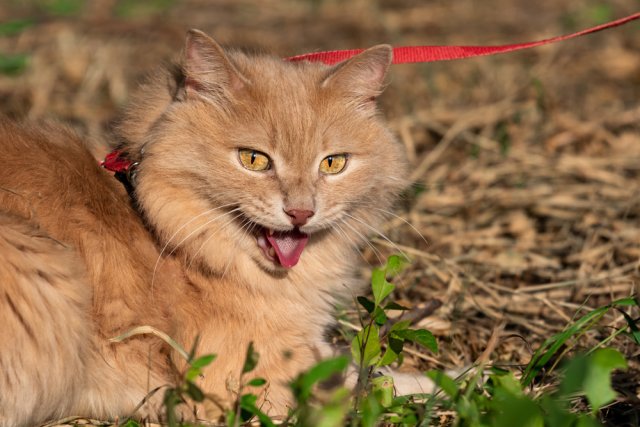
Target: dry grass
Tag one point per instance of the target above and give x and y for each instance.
(527, 165)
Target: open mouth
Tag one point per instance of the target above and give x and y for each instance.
(284, 247)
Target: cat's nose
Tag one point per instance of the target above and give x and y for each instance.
(299, 216)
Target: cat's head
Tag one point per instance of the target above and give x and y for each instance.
(253, 157)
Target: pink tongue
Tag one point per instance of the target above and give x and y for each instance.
(288, 246)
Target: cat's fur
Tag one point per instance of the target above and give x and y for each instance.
(80, 263)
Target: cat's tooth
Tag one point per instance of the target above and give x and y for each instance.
(272, 252)
(270, 231)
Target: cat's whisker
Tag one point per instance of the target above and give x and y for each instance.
(166, 245)
(195, 255)
(364, 238)
(379, 233)
(343, 233)
(190, 221)
(196, 230)
(245, 222)
(200, 227)
(386, 212)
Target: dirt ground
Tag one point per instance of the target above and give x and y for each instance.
(526, 165)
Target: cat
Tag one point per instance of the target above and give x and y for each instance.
(256, 180)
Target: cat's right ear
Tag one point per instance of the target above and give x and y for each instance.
(208, 72)
(363, 76)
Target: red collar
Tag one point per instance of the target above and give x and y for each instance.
(116, 162)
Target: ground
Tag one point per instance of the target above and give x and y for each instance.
(525, 211)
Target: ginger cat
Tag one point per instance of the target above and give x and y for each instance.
(257, 179)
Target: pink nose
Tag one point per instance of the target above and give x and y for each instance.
(299, 216)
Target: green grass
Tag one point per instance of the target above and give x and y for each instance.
(13, 64)
(554, 390)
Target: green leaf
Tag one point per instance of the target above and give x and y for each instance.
(170, 401)
(231, 418)
(131, 423)
(552, 345)
(370, 412)
(591, 375)
(556, 412)
(13, 64)
(195, 369)
(257, 382)
(365, 346)
(64, 7)
(382, 389)
(251, 359)
(330, 414)
(510, 406)
(367, 304)
(303, 385)
(517, 411)
(379, 316)
(396, 344)
(444, 382)
(379, 285)
(203, 361)
(395, 306)
(192, 374)
(507, 383)
(586, 421)
(633, 327)
(468, 410)
(194, 392)
(248, 403)
(248, 399)
(388, 358)
(401, 324)
(11, 28)
(395, 264)
(419, 336)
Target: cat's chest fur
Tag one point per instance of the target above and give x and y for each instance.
(281, 315)
(285, 319)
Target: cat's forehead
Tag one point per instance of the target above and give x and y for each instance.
(281, 84)
(288, 112)
(286, 101)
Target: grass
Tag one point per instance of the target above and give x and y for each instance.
(561, 386)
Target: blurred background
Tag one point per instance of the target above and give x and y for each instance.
(526, 165)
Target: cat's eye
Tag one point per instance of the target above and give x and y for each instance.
(254, 160)
(333, 164)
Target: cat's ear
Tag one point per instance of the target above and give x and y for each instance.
(207, 69)
(362, 76)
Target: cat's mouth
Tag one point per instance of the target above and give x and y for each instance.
(284, 247)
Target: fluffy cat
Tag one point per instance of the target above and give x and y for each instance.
(256, 179)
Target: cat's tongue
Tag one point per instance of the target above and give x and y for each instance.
(288, 246)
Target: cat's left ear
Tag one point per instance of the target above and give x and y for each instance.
(208, 71)
(362, 76)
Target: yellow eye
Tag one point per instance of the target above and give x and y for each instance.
(333, 164)
(254, 160)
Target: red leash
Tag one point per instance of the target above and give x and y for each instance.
(411, 54)
(117, 162)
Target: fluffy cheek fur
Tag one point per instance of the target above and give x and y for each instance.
(173, 189)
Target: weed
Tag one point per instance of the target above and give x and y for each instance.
(13, 64)
(482, 397)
